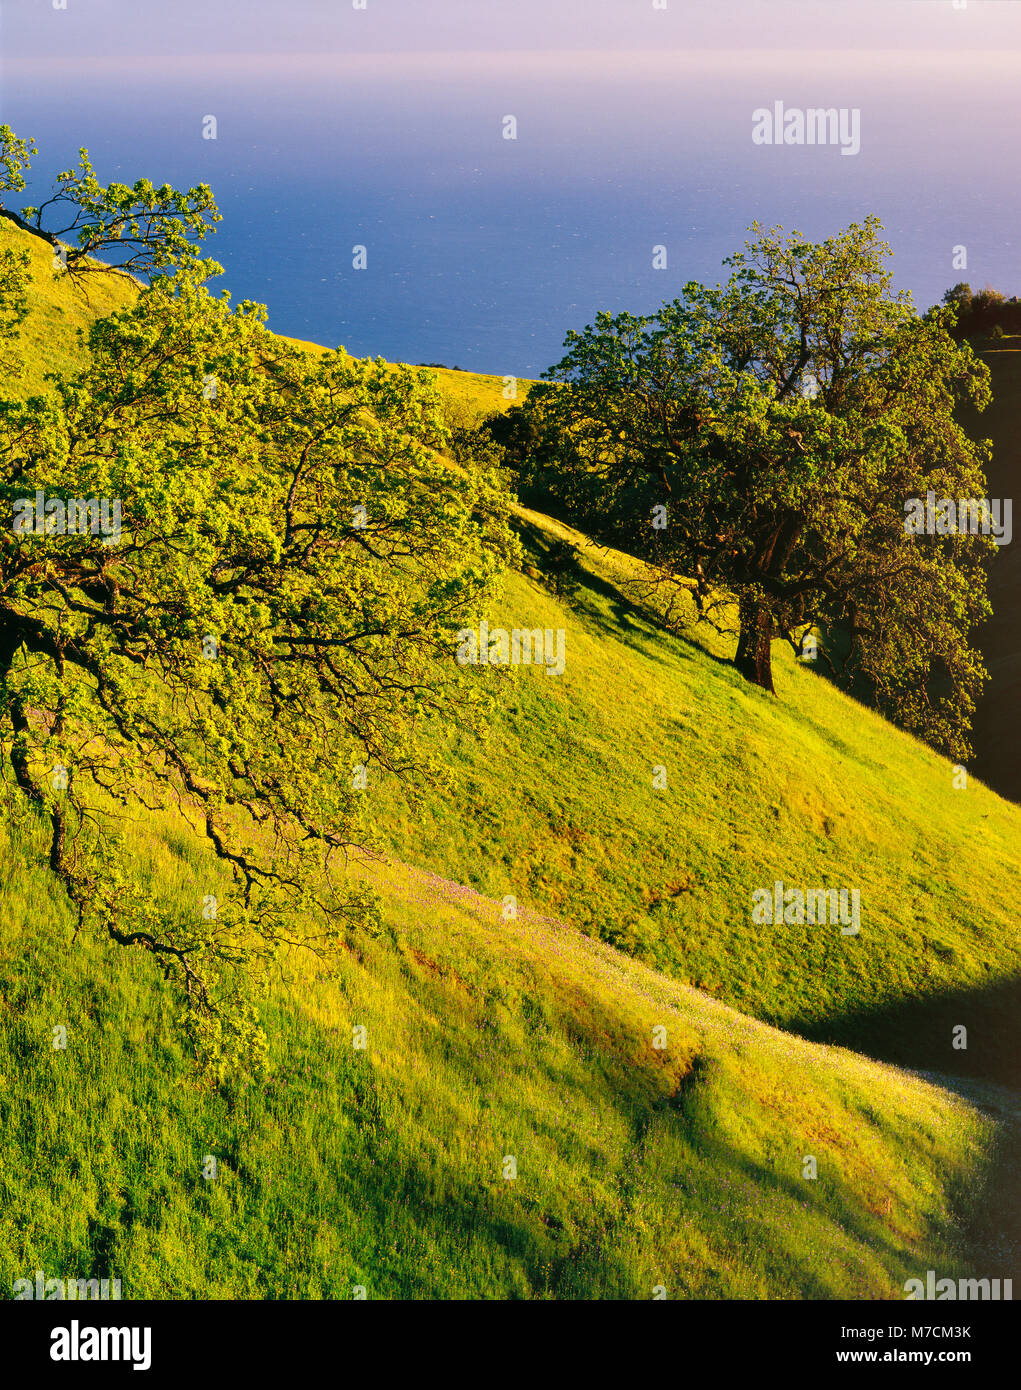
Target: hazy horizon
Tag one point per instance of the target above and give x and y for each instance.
(483, 251)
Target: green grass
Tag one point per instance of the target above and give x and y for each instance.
(52, 337)
(559, 809)
(383, 1167)
(637, 1166)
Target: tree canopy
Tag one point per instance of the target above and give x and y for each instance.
(97, 229)
(230, 586)
(758, 443)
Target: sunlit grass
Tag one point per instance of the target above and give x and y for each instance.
(486, 1039)
(491, 1037)
(559, 808)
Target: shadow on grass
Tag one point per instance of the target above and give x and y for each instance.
(920, 1033)
(992, 1215)
(634, 624)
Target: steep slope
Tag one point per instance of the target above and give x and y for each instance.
(560, 809)
(682, 1166)
(495, 1034)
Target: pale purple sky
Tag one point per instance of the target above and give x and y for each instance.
(89, 29)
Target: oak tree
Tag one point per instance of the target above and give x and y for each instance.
(230, 584)
(758, 443)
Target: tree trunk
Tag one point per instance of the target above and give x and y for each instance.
(754, 657)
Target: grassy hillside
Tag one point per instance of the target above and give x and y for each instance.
(384, 1167)
(560, 810)
(59, 316)
(494, 1036)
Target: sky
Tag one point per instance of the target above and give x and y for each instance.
(382, 127)
(89, 29)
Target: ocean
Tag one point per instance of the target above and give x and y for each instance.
(481, 251)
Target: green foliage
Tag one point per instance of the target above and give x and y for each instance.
(14, 159)
(147, 230)
(467, 440)
(779, 424)
(986, 311)
(268, 622)
(13, 304)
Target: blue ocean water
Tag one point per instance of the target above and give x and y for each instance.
(483, 251)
